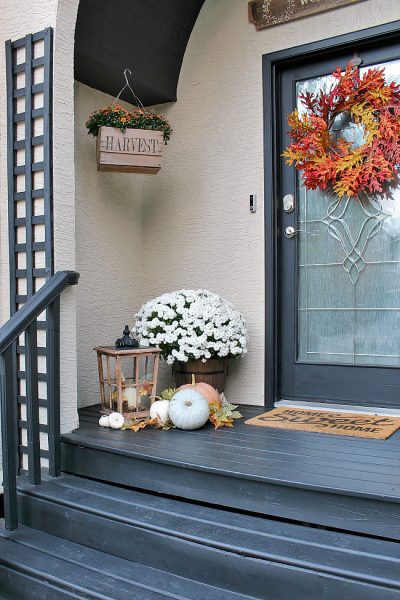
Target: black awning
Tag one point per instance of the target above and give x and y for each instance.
(147, 36)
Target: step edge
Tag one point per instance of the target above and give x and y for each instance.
(243, 552)
(24, 569)
(82, 444)
(47, 584)
(134, 583)
(52, 486)
(53, 497)
(68, 585)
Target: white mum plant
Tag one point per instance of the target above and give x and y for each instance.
(191, 325)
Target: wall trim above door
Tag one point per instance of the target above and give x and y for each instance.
(273, 64)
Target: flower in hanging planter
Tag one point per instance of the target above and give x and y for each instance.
(122, 118)
(192, 325)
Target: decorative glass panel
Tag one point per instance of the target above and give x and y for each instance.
(348, 267)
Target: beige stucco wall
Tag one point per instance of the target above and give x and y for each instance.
(109, 247)
(198, 229)
(64, 199)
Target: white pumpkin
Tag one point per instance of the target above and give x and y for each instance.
(115, 420)
(188, 409)
(159, 410)
(104, 421)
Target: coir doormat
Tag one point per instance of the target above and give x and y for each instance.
(377, 427)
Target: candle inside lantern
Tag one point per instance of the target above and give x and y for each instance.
(129, 395)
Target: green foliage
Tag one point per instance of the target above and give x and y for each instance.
(166, 394)
(224, 415)
(121, 118)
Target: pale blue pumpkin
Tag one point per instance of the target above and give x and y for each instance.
(188, 409)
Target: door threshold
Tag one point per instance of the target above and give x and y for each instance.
(367, 410)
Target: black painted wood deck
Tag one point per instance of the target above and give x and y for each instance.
(76, 528)
(340, 482)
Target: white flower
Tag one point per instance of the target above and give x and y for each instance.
(191, 324)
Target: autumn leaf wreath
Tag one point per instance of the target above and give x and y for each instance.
(331, 163)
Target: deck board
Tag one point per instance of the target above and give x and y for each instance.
(217, 443)
(340, 464)
(308, 471)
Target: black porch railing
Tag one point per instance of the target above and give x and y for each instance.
(24, 321)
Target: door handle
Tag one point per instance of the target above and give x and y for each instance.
(290, 232)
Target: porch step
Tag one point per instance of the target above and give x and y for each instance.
(243, 554)
(339, 482)
(35, 565)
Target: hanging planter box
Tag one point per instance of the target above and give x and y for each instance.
(129, 151)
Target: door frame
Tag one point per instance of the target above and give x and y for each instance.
(272, 64)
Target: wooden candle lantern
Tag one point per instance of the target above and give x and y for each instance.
(128, 379)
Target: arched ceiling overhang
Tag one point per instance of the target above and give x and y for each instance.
(147, 36)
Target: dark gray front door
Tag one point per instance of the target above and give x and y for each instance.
(339, 318)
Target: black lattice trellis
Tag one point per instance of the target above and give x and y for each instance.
(29, 134)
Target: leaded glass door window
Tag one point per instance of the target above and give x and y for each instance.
(339, 323)
(348, 265)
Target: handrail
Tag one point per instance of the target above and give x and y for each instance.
(35, 306)
(25, 321)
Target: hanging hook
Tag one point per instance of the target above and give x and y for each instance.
(128, 85)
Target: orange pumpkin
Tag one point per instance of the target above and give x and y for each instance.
(205, 389)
